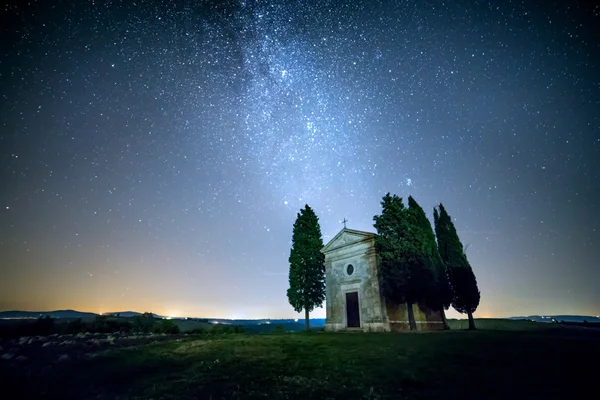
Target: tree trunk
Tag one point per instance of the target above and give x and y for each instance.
(444, 320)
(306, 320)
(411, 317)
(471, 321)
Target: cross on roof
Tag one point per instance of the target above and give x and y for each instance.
(344, 221)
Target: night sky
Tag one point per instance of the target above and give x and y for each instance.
(154, 155)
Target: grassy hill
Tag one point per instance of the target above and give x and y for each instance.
(484, 364)
(186, 325)
(500, 324)
(15, 314)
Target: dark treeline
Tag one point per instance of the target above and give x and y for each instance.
(45, 326)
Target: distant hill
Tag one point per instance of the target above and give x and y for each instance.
(129, 314)
(314, 322)
(559, 318)
(36, 314)
(265, 321)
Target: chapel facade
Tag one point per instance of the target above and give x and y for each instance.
(353, 294)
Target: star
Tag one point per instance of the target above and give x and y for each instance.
(223, 120)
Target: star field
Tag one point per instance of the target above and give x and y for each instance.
(153, 155)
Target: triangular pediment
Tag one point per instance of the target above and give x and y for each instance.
(347, 237)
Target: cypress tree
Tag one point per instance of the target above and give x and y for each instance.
(439, 295)
(465, 293)
(405, 271)
(307, 269)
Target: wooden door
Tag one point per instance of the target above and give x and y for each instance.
(352, 313)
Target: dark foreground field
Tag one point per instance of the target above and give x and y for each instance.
(557, 363)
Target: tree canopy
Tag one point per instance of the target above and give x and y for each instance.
(465, 293)
(405, 269)
(307, 270)
(439, 295)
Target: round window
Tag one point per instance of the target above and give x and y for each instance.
(350, 269)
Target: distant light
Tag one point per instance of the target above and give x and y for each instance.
(169, 317)
(296, 320)
(214, 322)
(268, 322)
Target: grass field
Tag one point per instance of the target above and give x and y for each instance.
(554, 363)
(498, 324)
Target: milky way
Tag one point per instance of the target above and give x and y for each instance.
(153, 155)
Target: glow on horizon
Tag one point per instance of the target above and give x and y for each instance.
(485, 310)
(189, 210)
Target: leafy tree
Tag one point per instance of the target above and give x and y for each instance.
(465, 294)
(75, 326)
(439, 295)
(143, 323)
(307, 270)
(405, 270)
(166, 326)
(100, 324)
(43, 326)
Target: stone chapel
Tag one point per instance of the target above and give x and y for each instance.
(353, 296)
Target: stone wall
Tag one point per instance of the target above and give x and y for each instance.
(361, 255)
(425, 318)
(358, 249)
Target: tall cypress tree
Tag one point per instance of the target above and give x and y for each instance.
(465, 293)
(405, 271)
(307, 269)
(439, 295)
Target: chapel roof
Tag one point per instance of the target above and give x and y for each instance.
(347, 237)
